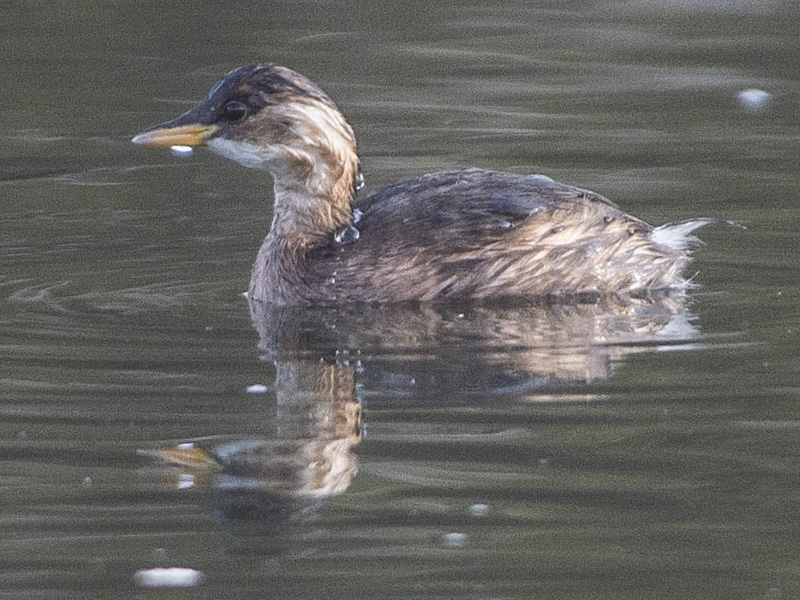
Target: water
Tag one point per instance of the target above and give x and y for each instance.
(619, 452)
(349, 234)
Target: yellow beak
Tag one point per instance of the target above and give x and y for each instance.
(183, 135)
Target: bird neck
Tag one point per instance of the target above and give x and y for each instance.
(312, 205)
(315, 165)
(308, 212)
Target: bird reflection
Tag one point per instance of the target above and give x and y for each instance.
(440, 353)
(285, 478)
(328, 359)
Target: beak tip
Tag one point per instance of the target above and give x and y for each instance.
(138, 139)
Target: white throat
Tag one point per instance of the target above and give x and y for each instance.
(247, 155)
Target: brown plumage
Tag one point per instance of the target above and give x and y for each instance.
(469, 234)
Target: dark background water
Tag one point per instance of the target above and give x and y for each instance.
(522, 452)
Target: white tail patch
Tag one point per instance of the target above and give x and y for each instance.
(678, 236)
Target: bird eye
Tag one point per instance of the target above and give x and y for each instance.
(234, 111)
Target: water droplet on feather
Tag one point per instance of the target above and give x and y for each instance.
(348, 235)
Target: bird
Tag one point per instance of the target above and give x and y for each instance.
(464, 235)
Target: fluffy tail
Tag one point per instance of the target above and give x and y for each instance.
(678, 236)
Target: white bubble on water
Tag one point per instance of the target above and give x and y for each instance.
(753, 100)
(455, 540)
(168, 577)
(479, 510)
(257, 389)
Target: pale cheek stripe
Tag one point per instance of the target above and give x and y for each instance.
(247, 155)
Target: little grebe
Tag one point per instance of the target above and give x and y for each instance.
(455, 235)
